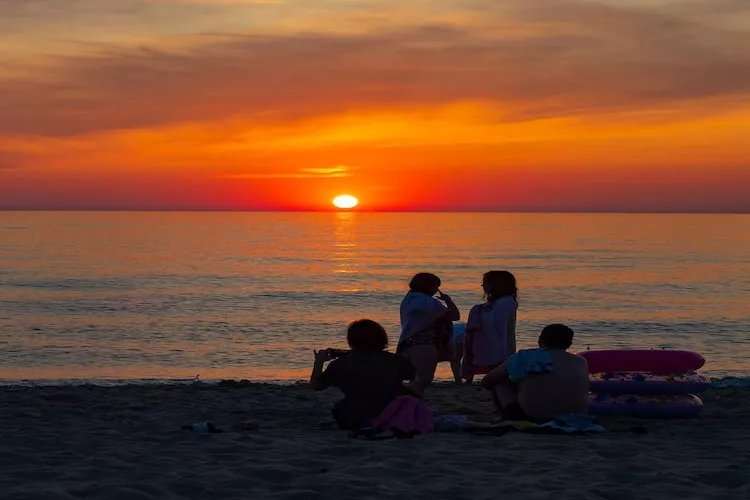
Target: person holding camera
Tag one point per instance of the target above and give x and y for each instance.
(368, 375)
(426, 326)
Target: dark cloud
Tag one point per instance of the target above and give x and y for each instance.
(574, 58)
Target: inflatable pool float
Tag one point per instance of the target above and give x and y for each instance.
(648, 383)
(643, 360)
(671, 406)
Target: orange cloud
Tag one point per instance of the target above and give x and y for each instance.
(303, 173)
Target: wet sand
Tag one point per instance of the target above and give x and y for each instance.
(127, 443)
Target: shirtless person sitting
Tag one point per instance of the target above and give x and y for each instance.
(539, 384)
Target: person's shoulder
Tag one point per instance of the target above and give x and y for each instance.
(504, 305)
(477, 308)
(417, 300)
(574, 359)
(412, 297)
(584, 363)
(407, 298)
(506, 301)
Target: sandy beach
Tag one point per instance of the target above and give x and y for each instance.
(127, 443)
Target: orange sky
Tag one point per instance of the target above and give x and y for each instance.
(559, 105)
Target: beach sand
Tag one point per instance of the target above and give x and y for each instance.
(127, 443)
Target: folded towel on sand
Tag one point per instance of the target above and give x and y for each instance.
(529, 362)
(562, 424)
(574, 424)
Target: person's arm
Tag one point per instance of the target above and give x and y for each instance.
(453, 313)
(406, 369)
(474, 321)
(317, 381)
(473, 325)
(511, 328)
(496, 376)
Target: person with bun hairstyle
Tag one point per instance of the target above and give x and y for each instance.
(426, 326)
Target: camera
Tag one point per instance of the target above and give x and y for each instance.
(337, 353)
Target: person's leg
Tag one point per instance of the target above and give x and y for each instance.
(425, 360)
(458, 354)
(504, 395)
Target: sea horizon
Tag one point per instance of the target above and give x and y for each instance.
(365, 211)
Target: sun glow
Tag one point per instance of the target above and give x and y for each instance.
(345, 201)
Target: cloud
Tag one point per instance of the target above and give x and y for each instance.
(567, 58)
(330, 171)
(303, 173)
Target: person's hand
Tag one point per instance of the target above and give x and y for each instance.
(443, 296)
(486, 382)
(322, 356)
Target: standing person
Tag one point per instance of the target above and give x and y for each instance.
(426, 326)
(491, 326)
(457, 350)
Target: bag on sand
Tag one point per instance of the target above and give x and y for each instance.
(405, 414)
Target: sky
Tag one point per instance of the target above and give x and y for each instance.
(486, 105)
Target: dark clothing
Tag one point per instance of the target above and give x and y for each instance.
(369, 380)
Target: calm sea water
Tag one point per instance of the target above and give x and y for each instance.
(87, 295)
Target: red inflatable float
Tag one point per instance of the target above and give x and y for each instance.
(643, 360)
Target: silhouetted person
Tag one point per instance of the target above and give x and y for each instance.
(491, 326)
(369, 377)
(539, 384)
(426, 326)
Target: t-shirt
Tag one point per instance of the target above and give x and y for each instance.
(369, 380)
(493, 336)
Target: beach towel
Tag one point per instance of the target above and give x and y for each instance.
(574, 424)
(405, 414)
(529, 362)
(562, 424)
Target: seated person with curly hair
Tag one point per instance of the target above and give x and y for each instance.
(368, 375)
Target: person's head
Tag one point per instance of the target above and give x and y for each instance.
(556, 336)
(366, 335)
(425, 283)
(499, 284)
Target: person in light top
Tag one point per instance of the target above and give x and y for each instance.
(455, 352)
(426, 326)
(491, 326)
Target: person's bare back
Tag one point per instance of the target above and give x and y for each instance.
(565, 390)
(540, 384)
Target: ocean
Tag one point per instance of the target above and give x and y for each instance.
(155, 296)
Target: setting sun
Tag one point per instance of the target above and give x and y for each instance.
(345, 201)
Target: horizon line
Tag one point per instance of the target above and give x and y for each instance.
(395, 211)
